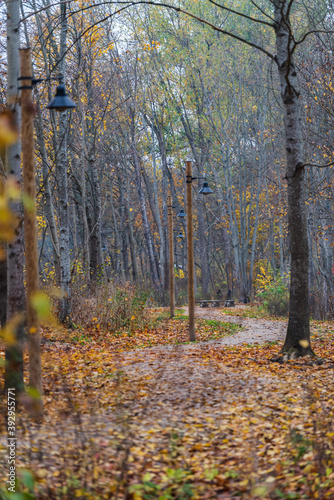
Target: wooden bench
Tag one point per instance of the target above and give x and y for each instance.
(229, 303)
(210, 303)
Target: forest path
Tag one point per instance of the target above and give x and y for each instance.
(254, 330)
(174, 358)
(182, 380)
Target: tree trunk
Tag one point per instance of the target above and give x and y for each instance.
(203, 248)
(48, 203)
(85, 229)
(62, 184)
(95, 240)
(3, 290)
(118, 268)
(165, 178)
(30, 226)
(297, 342)
(15, 250)
(95, 237)
(135, 274)
(124, 231)
(147, 233)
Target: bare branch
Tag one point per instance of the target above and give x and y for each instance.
(89, 29)
(262, 11)
(47, 7)
(203, 21)
(298, 42)
(128, 4)
(303, 165)
(288, 9)
(316, 166)
(241, 14)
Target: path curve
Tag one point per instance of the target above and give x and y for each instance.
(170, 363)
(170, 358)
(255, 331)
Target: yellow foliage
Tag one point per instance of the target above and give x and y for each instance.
(41, 303)
(8, 130)
(262, 279)
(179, 273)
(8, 332)
(8, 220)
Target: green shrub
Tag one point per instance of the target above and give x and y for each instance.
(275, 298)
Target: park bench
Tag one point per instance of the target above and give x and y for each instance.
(229, 303)
(210, 303)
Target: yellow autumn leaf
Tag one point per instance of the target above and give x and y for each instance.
(304, 343)
(8, 335)
(8, 331)
(41, 303)
(41, 473)
(8, 130)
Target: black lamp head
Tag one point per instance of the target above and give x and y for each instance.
(180, 235)
(205, 189)
(61, 102)
(182, 213)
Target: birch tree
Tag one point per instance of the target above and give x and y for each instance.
(15, 251)
(62, 185)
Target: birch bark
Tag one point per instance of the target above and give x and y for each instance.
(15, 250)
(62, 188)
(48, 202)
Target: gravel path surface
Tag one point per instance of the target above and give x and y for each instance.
(171, 359)
(255, 331)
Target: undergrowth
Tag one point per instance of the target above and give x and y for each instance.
(275, 297)
(113, 307)
(215, 328)
(273, 440)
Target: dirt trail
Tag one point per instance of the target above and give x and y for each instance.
(178, 381)
(255, 331)
(171, 360)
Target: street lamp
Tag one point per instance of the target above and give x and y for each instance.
(171, 258)
(30, 226)
(205, 189)
(61, 101)
(190, 241)
(182, 213)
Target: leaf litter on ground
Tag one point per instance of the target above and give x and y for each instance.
(177, 421)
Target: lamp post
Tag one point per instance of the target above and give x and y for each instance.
(30, 225)
(171, 258)
(190, 243)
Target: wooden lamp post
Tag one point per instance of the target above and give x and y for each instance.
(171, 258)
(190, 243)
(30, 223)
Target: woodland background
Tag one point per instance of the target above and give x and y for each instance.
(110, 401)
(153, 89)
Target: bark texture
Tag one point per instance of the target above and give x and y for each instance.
(62, 185)
(30, 225)
(297, 342)
(15, 251)
(190, 240)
